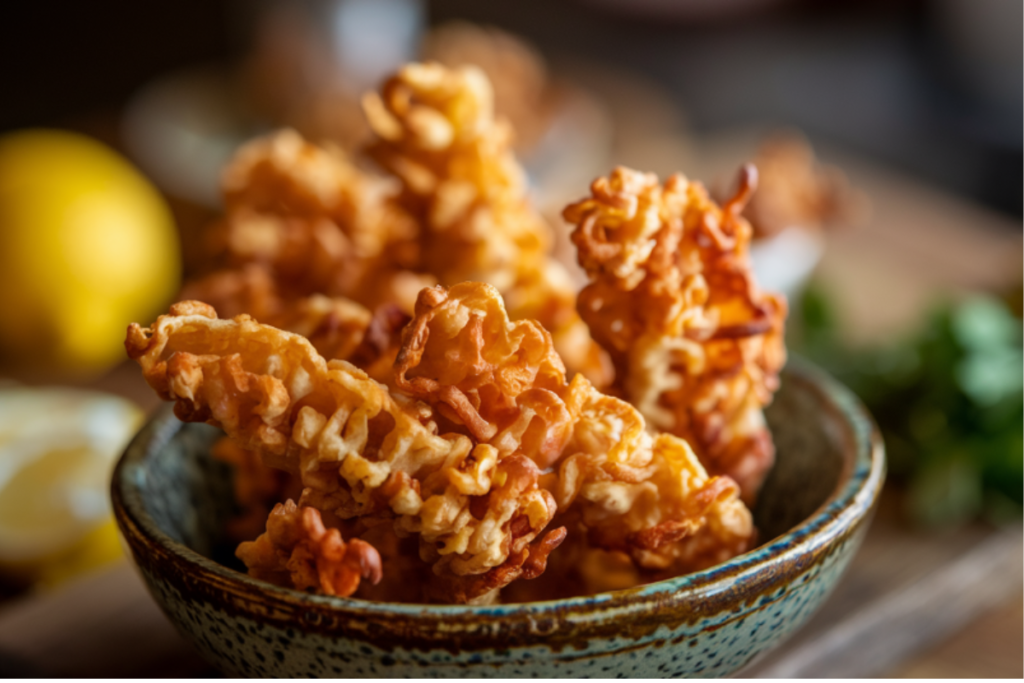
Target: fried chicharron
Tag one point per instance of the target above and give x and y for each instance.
(358, 450)
(303, 220)
(479, 452)
(696, 346)
(311, 244)
(437, 133)
(417, 404)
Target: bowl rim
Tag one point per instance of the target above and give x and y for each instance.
(851, 503)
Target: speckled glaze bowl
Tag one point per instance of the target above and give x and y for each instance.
(171, 501)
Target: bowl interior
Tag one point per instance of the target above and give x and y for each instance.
(812, 453)
(188, 494)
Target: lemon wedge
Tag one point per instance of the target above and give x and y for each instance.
(58, 447)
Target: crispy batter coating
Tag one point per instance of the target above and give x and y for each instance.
(461, 353)
(660, 508)
(696, 346)
(335, 326)
(453, 439)
(519, 444)
(646, 496)
(309, 240)
(302, 219)
(316, 224)
(502, 383)
(358, 450)
(437, 133)
(338, 328)
(298, 551)
(284, 176)
(797, 190)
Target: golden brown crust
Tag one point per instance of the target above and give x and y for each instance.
(286, 198)
(298, 551)
(307, 240)
(437, 133)
(502, 383)
(479, 363)
(358, 451)
(474, 458)
(338, 328)
(520, 445)
(305, 220)
(696, 346)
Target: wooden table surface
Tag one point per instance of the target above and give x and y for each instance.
(910, 605)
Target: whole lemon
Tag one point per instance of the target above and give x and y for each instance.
(87, 245)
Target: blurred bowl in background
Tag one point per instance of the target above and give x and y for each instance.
(183, 128)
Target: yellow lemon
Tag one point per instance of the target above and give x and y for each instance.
(58, 447)
(87, 245)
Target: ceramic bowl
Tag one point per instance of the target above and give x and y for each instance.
(171, 501)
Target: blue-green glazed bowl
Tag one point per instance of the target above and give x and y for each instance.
(171, 501)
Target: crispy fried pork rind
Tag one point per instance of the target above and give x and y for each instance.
(696, 346)
(304, 231)
(666, 514)
(308, 211)
(463, 354)
(298, 551)
(358, 450)
(304, 220)
(338, 328)
(502, 383)
(311, 244)
(642, 495)
(519, 446)
(437, 133)
(315, 223)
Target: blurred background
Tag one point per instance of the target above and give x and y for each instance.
(901, 120)
(931, 87)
